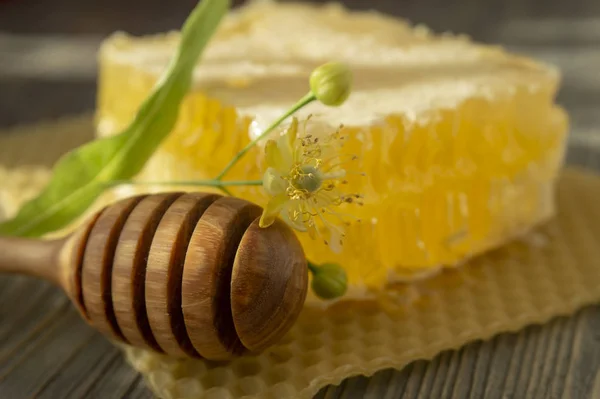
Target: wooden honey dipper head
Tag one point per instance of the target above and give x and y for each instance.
(186, 274)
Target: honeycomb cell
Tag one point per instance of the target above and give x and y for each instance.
(282, 390)
(216, 377)
(286, 339)
(341, 318)
(187, 388)
(311, 358)
(159, 379)
(195, 368)
(314, 328)
(311, 372)
(312, 342)
(278, 374)
(143, 360)
(377, 336)
(218, 393)
(281, 354)
(345, 332)
(249, 386)
(377, 351)
(370, 323)
(346, 360)
(247, 367)
(173, 366)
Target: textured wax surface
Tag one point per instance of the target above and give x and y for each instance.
(552, 271)
(460, 142)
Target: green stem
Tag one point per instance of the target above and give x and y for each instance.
(312, 267)
(206, 183)
(225, 191)
(307, 99)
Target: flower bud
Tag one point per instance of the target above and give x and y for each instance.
(329, 280)
(331, 83)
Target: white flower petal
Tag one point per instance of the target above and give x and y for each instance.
(273, 155)
(273, 183)
(272, 209)
(285, 216)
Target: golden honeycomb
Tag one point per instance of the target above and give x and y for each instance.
(552, 271)
(460, 142)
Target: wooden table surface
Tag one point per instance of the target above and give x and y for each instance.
(46, 351)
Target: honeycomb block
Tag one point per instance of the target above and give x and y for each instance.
(461, 142)
(549, 272)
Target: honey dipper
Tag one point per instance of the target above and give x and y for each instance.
(186, 274)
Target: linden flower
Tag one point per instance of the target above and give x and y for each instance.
(304, 179)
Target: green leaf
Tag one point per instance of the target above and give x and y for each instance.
(80, 176)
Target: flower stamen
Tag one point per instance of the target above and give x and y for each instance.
(311, 182)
